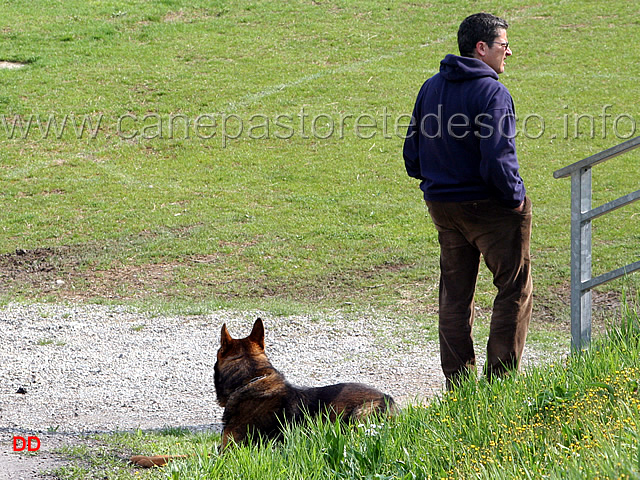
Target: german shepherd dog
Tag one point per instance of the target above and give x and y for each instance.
(258, 401)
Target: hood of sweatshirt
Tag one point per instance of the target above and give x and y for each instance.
(458, 69)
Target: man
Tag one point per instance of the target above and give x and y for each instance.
(460, 145)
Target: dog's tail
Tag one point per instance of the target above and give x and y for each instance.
(384, 406)
(392, 407)
(153, 461)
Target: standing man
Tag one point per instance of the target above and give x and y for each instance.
(461, 147)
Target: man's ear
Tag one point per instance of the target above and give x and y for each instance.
(480, 50)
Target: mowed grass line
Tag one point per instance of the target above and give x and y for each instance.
(283, 217)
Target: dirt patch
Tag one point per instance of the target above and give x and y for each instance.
(27, 261)
(72, 273)
(29, 466)
(89, 272)
(11, 65)
(30, 266)
(42, 268)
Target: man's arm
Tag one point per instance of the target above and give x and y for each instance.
(411, 149)
(499, 165)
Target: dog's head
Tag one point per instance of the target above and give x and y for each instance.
(239, 361)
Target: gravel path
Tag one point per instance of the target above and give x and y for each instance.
(91, 368)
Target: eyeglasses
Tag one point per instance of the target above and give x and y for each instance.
(505, 45)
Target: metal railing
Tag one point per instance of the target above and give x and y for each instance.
(581, 216)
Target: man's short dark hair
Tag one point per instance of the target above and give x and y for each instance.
(479, 27)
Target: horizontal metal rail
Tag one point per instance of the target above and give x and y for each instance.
(603, 156)
(612, 275)
(608, 207)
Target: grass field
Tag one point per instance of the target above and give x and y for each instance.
(248, 154)
(189, 156)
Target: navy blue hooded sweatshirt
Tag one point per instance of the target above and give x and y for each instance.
(461, 143)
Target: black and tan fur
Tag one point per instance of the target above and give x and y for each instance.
(258, 400)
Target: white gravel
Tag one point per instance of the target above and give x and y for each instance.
(98, 368)
(94, 368)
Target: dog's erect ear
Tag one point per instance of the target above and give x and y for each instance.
(225, 338)
(257, 333)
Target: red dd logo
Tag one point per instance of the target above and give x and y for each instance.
(31, 444)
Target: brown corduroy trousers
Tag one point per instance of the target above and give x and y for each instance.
(467, 230)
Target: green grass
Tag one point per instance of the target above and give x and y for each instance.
(163, 202)
(574, 419)
(310, 207)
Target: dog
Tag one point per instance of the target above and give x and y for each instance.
(258, 401)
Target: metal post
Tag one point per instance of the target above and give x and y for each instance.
(580, 259)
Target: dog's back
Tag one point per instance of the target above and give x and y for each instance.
(258, 399)
(349, 401)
